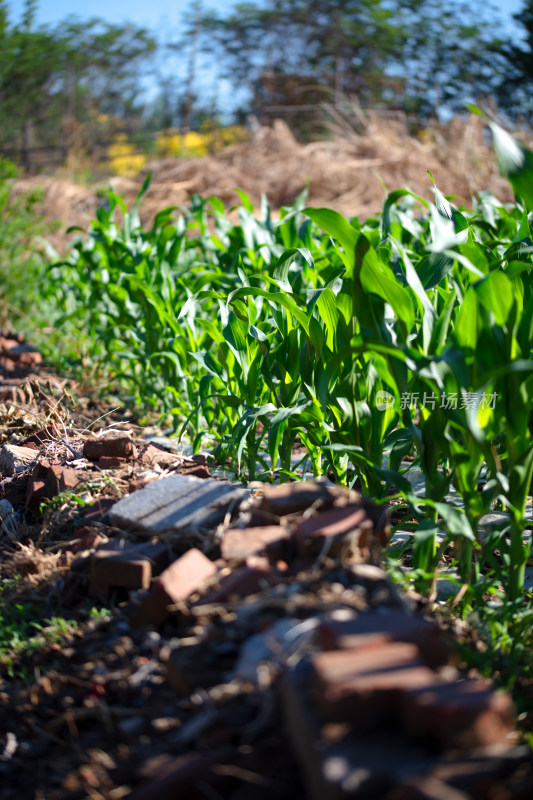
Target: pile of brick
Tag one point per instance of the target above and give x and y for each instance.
(269, 614)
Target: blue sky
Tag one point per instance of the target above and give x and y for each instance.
(163, 18)
(154, 14)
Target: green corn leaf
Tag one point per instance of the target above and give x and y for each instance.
(338, 227)
(277, 426)
(277, 298)
(378, 279)
(433, 268)
(495, 292)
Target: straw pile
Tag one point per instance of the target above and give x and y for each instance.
(351, 172)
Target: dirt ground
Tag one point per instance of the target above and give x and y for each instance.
(213, 696)
(352, 172)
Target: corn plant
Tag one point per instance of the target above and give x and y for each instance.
(409, 334)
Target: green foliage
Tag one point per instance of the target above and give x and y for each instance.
(23, 631)
(409, 334)
(21, 261)
(55, 83)
(410, 54)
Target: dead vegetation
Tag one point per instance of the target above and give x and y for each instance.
(351, 172)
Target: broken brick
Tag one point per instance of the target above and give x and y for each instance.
(371, 627)
(364, 687)
(85, 538)
(196, 471)
(48, 434)
(249, 579)
(154, 455)
(335, 762)
(98, 511)
(48, 480)
(337, 526)
(111, 462)
(112, 445)
(183, 577)
(288, 498)
(238, 543)
(462, 714)
(131, 568)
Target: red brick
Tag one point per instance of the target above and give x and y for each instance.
(237, 543)
(462, 714)
(242, 582)
(336, 762)
(131, 568)
(196, 470)
(364, 687)
(97, 511)
(111, 462)
(48, 480)
(84, 538)
(176, 583)
(153, 455)
(288, 498)
(48, 434)
(112, 445)
(336, 525)
(371, 627)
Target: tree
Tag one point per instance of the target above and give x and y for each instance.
(418, 55)
(347, 44)
(28, 66)
(452, 54)
(55, 81)
(515, 90)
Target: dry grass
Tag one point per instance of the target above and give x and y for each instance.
(348, 172)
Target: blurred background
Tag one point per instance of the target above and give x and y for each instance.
(95, 89)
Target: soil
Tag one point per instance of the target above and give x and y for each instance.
(108, 709)
(352, 172)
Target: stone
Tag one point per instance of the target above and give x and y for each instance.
(364, 686)
(173, 504)
(112, 444)
(372, 627)
(14, 459)
(337, 526)
(238, 543)
(462, 714)
(181, 579)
